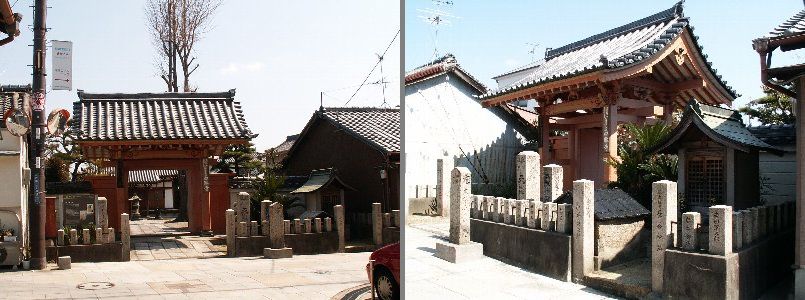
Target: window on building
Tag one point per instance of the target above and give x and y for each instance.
(705, 180)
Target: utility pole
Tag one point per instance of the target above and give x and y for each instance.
(36, 142)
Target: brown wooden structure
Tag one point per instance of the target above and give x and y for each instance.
(638, 72)
(159, 131)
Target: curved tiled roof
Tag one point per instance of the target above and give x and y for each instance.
(612, 49)
(794, 25)
(776, 135)
(150, 176)
(443, 65)
(379, 127)
(611, 204)
(159, 116)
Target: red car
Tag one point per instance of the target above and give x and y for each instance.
(384, 272)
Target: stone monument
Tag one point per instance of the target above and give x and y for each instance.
(460, 248)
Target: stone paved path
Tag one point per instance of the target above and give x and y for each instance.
(163, 227)
(428, 277)
(162, 248)
(300, 277)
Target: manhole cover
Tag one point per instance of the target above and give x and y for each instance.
(95, 285)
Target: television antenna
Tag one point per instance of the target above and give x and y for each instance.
(533, 50)
(437, 17)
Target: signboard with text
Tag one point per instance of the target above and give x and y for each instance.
(62, 65)
(78, 209)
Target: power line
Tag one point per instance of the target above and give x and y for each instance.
(380, 60)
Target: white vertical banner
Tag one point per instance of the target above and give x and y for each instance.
(62, 65)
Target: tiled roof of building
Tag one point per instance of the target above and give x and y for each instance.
(792, 26)
(443, 65)
(611, 204)
(776, 135)
(320, 178)
(379, 127)
(150, 176)
(159, 116)
(616, 48)
(721, 125)
(287, 144)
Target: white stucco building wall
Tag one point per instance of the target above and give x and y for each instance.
(14, 181)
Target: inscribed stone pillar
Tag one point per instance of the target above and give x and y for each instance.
(377, 224)
(552, 182)
(492, 212)
(243, 210)
(125, 236)
(276, 232)
(338, 211)
(317, 225)
(763, 221)
(721, 229)
(60, 237)
(287, 226)
(518, 212)
(507, 211)
(73, 236)
(386, 220)
(297, 226)
(564, 218)
(460, 182)
(547, 215)
(230, 231)
(99, 236)
(473, 205)
(110, 235)
(243, 229)
(328, 224)
(478, 203)
(85, 236)
(534, 208)
(443, 169)
(583, 229)
(308, 225)
(254, 228)
(101, 212)
(755, 226)
(395, 216)
(264, 210)
(737, 230)
(664, 215)
(691, 222)
(748, 219)
(528, 175)
(500, 212)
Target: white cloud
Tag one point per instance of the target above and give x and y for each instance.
(237, 68)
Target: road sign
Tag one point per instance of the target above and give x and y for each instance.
(62, 65)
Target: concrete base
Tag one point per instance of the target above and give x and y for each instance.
(64, 262)
(459, 253)
(799, 284)
(277, 253)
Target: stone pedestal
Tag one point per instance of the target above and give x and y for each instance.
(64, 263)
(528, 175)
(277, 253)
(377, 224)
(663, 217)
(443, 167)
(460, 248)
(583, 229)
(552, 182)
(691, 222)
(230, 231)
(338, 211)
(720, 229)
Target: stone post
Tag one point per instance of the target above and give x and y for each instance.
(475, 208)
(494, 208)
(73, 236)
(737, 230)
(721, 229)
(461, 180)
(308, 225)
(297, 226)
(763, 221)
(125, 236)
(548, 209)
(99, 239)
(564, 218)
(110, 235)
(552, 182)
(691, 222)
(748, 219)
(328, 224)
(230, 231)
(377, 224)
(85, 237)
(244, 207)
(101, 213)
(264, 210)
(534, 208)
(317, 225)
(528, 175)
(287, 226)
(755, 223)
(443, 167)
(338, 211)
(60, 237)
(254, 228)
(518, 212)
(276, 233)
(395, 216)
(243, 229)
(663, 217)
(583, 229)
(507, 211)
(387, 220)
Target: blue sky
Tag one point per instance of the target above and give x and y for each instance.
(278, 55)
(492, 37)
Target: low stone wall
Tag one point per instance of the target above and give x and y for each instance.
(391, 235)
(422, 206)
(619, 241)
(88, 253)
(312, 243)
(543, 252)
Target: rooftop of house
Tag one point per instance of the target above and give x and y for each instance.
(443, 65)
(776, 135)
(611, 204)
(319, 179)
(379, 127)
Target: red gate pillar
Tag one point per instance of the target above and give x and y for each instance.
(219, 201)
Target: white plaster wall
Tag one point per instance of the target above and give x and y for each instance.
(13, 181)
(442, 119)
